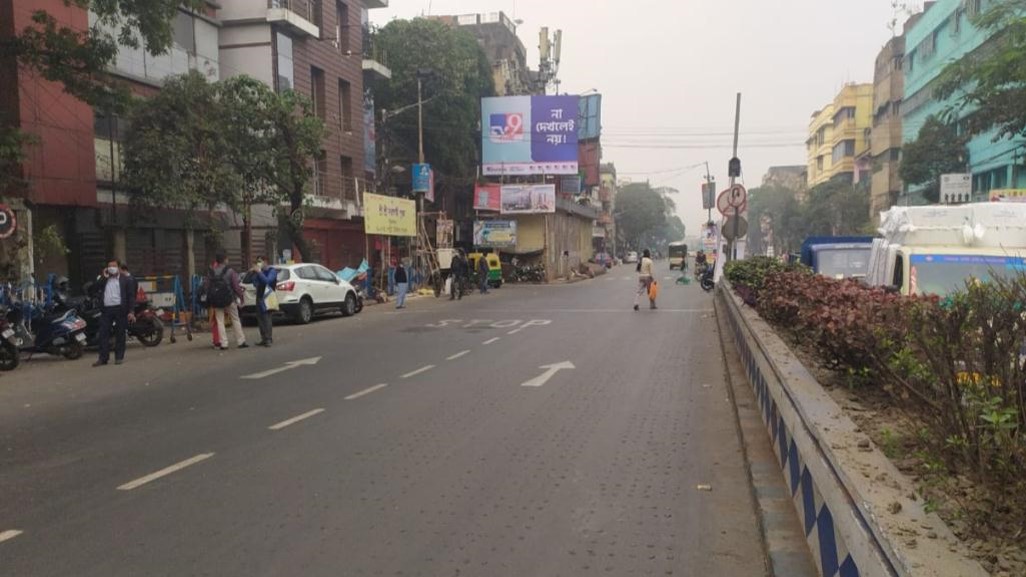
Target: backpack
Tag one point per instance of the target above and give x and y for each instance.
(219, 293)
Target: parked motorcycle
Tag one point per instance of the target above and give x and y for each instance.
(705, 279)
(148, 329)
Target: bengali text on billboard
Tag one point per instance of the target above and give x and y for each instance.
(527, 135)
(389, 216)
(528, 198)
(495, 233)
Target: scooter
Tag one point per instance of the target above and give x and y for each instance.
(10, 356)
(148, 329)
(55, 333)
(706, 279)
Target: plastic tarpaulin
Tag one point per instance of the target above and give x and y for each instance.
(348, 274)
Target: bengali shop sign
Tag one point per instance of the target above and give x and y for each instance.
(487, 197)
(389, 216)
(528, 199)
(495, 233)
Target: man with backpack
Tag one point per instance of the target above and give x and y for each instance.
(223, 292)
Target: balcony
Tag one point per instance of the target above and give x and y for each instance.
(298, 16)
(374, 58)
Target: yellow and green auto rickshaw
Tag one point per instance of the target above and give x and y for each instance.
(678, 253)
(494, 267)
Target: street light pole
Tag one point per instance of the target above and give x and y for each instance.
(737, 211)
(420, 120)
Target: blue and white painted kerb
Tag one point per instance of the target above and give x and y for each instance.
(826, 542)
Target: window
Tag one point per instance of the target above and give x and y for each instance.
(345, 104)
(185, 32)
(286, 68)
(895, 154)
(342, 27)
(956, 23)
(910, 62)
(928, 46)
(320, 170)
(348, 185)
(307, 273)
(325, 275)
(317, 13)
(971, 7)
(842, 150)
(819, 163)
(317, 91)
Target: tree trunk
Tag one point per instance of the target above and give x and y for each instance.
(247, 235)
(294, 222)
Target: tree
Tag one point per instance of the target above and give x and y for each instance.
(937, 150)
(460, 75)
(835, 208)
(775, 219)
(641, 213)
(988, 85)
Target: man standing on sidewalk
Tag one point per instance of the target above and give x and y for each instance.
(224, 292)
(118, 307)
(482, 271)
(402, 283)
(456, 274)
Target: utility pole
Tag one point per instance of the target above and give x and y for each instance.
(709, 182)
(420, 121)
(733, 178)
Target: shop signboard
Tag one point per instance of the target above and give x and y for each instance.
(487, 197)
(526, 135)
(389, 216)
(443, 233)
(528, 199)
(495, 233)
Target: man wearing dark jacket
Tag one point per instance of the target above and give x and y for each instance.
(456, 272)
(118, 304)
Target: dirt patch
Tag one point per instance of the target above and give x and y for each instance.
(991, 520)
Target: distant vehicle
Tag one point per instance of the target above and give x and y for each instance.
(678, 253)
(305, 290)
(631, 257)
(838, 256)
(603, 259)
(937, 249)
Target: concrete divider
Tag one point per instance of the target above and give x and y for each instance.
(860, 515)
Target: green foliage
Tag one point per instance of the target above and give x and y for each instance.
(936, 150)
(989, 86)
(460, 75)
(957, 364)
(233, 143)
(12, 153)
(641, 214)
(752, 272)
(775, 220)
(833, 208)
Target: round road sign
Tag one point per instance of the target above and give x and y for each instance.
(728, 227)
(723, 204)
(8, 224)
(737, 196)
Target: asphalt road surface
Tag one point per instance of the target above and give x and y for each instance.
(535, 431)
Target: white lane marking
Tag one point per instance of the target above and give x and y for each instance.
(628, 278)
(550, 370)
(627, 310)
(9, 534)
(294, 420)
(366, 391)
(288, 367)
(491, 340)
(457, 355)
(423, 369)
(530, 323)
(667, 278)
(164, 472)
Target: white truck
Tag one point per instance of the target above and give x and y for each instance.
(936, 249)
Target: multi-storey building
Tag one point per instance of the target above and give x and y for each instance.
(944, 33)
(314, 47)
(885, 139)
(838, 134)
(497, 35)
(606, 221)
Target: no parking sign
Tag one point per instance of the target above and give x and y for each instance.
(8, 224)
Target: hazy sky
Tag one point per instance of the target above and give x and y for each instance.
(669, 71)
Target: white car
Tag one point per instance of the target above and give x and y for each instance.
(631, 257)
(304, 290)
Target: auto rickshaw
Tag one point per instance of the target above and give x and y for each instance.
(494, 267)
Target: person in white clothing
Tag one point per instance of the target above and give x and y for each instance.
(644, 279)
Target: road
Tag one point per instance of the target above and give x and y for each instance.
(404, 443)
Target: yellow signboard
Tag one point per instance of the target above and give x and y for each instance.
(389, 216)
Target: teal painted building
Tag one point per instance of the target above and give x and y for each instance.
(944, 34)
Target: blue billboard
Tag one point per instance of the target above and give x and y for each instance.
(525, 135)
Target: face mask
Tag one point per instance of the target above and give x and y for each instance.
(112, 270)
(260, 264)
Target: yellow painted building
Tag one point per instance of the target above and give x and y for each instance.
(838, 133)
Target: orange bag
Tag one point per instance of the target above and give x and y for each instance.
(653, 290)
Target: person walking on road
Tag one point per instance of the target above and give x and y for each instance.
(402, 284)
(223, 293)
(118, 306)
(265, 278)
(645, 279)
(482, 271)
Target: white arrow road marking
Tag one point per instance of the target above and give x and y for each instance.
(423, 369)
(7, 535)
(295, 419)
(366, 391)
(550, 370)
(288, 367)
(164, 472)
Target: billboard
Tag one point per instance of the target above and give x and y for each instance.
(389, 216)
(443, 233)
(528, 199)
(486, 197)
(495, 233)
(590, 117)
(370, 153)
(527, 135)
